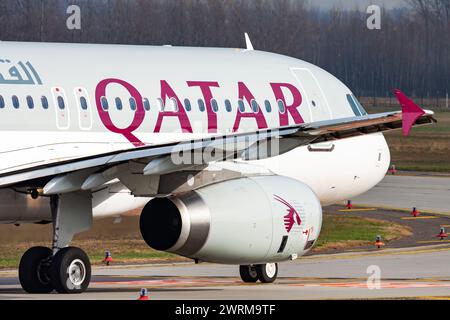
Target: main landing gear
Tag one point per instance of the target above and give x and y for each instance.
(266, 273)
(68, 271)
(64, 269)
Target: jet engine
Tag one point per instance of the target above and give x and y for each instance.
(247, 220)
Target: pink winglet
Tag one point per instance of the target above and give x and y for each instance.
(410, 111)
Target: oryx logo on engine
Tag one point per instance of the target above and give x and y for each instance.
(292, 217)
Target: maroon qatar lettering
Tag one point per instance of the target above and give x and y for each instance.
(206, 89)
(291, 109)
(168, 93)
(139, 115)
(245, 94)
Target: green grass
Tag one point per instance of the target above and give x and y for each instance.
(123, 251)
(426, 149)
(345, 231)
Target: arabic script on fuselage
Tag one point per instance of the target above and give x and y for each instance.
(18, 73)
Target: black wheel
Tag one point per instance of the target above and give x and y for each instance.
(267, 273)
(34, 270)
(70, 271)
(248, 274)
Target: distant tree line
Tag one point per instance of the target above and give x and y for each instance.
(411, 51)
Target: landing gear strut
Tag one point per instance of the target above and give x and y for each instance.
(62, 268)
(266, 273)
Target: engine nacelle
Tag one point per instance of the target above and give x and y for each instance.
(242, 221)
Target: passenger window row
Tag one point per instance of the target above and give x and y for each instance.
(30, 102)
(171, 106)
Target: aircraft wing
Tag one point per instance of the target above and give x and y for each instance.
(155, 159)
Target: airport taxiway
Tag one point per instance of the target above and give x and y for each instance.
(420, 272)
(427, 193)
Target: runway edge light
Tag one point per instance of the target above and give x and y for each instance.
(143, 294)
(415, 212)
(378, 242)
(108, 258)
(442, 234)
(349, 205)
(393, 170)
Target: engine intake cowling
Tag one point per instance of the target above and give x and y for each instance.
(242, 221)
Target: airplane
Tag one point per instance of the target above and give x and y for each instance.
(230, 152)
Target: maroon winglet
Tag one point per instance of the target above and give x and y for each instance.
(410, 111)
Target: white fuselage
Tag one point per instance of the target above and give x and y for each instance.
(177, 94)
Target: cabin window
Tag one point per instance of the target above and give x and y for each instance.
(2, 102)
(201, 105)
(174, 104)
(119, 105)
(268, 106)
(187, 104)
(133, 103)
(228, 106)
(146, 104)
(44, 102)
(15, 102)
(61, 103)
(83, 103)
(30, 102)
(353, 105)
(215, 105)
(281, 106)
(255, 106)
(104, 103)
(160, 104)
(241, 105)
(359, 105)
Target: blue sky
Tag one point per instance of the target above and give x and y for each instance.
(351, 4)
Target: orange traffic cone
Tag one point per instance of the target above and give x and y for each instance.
(378, 242)
(143, 294)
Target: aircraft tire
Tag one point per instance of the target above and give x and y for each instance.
(267, 273)
(34, 270)
(70, 270)
(248, 273)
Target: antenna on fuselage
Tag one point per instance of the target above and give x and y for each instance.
(248, 42)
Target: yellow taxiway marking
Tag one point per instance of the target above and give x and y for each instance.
(375, 253)
(433, 298)
(433, 241)
(356, 210)
(420, 217)
(407, 209)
